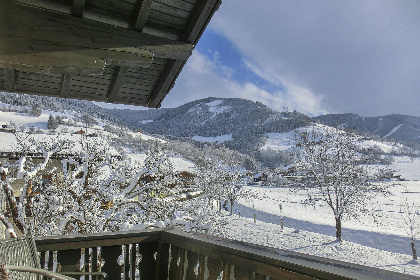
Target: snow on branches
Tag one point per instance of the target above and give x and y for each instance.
(331, 169)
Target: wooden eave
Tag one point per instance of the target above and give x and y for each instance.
(127, 52)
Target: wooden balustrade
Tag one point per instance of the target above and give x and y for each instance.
(175, 255)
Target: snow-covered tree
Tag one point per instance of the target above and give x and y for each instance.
(410, 216)
(27, 171)
(36, 111)
(89, 120)
(156, 186)
(87, 196)
(52, 123)
(329, 167)
(210, 180)
(233, 184)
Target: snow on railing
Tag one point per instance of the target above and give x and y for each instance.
(172, 254)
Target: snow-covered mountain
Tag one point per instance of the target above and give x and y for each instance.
(392, 127)
(239, 123)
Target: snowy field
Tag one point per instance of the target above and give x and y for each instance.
(308, 242)
(380, 241)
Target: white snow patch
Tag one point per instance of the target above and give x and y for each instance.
(178, 163)
(147, 137)
(181, 164)
(216, 109)
(393, 130)
(214, 103)
(220, 139)
(194, 110)
(385, 147)
(408, 168)
(278, 141)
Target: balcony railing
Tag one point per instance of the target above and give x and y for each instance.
(175, 255)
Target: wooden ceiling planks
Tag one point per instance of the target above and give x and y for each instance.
(168, 29)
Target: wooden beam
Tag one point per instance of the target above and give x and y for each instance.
(9, 79)
(199, 20)
(141, 14)
(117, 82)
(53, 62)
(166, 83)
(27, 30)
(78, 8)
(65, 85)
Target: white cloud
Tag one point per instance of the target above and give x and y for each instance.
(203, 77)
(363, 56)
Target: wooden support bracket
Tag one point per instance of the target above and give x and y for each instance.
(119, 76)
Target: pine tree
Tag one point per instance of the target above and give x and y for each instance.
(36, 111)
(52, 123)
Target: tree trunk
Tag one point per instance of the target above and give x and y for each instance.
(231, 207)
(413, 249)
(338, 228)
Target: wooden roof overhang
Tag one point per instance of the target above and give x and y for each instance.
(117, 51)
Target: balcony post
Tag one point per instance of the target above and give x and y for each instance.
(148, 262)
(110, 254)
(162, 261)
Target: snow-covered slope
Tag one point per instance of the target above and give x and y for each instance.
(237, 123)
(22, 122)
(398, 127)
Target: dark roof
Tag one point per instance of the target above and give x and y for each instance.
(119, 51)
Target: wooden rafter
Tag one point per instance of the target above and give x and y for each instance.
(165, 83)
(9, 78)
(142, 11)
(198, 23)
(200, 19)
(78, 8)
(65, 85)
(117, 82)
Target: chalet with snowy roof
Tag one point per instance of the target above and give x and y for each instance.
(260, 177)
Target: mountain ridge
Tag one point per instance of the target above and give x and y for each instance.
(395, 127)
(246, 121)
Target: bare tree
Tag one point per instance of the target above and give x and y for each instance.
(410, 216)
(329, 166)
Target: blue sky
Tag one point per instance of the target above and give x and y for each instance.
(225, 53)
(325, 56)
